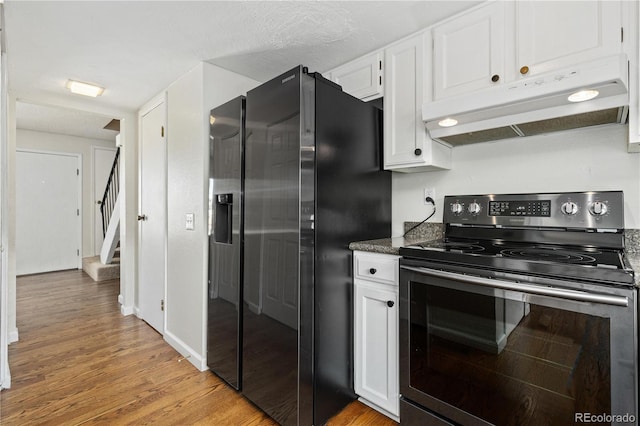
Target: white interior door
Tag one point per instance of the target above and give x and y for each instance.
(102, 162)
(152, 216)
(48, 217)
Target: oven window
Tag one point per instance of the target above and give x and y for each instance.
(508, 362)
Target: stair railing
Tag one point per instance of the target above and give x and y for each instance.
(110, 193)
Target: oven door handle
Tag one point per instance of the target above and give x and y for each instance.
(575, 295)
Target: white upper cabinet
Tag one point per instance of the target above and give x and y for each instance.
(407, 146)
(552, 35)
(361, 78)
(501, 42)
(469, 51)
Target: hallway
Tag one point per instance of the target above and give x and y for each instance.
(79, 361)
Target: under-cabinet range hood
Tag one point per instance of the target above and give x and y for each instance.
(534, 105)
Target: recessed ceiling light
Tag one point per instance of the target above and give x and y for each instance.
(447, 122)
(85, 89)
(583, 95)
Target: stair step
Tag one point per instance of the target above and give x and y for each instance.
(100, 272)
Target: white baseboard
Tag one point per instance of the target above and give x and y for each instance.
(13, 336)
(5, 382)
(124, 310)
(186, 351)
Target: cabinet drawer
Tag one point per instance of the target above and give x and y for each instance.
(372, 267)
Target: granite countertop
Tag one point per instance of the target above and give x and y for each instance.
(634, 260)
(383, 245)
(415, 233)
(434, 232)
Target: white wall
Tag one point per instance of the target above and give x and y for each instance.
(189, 101)
(41, 141)
(579, 160)
(5, 374)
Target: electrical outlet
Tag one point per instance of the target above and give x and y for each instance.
(189, 221)
(429, 192)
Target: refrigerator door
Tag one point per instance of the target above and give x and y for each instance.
(272, 250)
(313, 184)
(226, 145)
(352, 203)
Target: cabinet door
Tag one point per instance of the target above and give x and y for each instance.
(469, 52)
(376, 345)
(361, 78)
(552, 35)
(407, 147)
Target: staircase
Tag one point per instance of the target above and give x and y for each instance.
(107, 265)
(99, 271)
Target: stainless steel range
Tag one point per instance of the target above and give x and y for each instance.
(525, 313)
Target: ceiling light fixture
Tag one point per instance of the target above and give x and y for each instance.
(583, 95)
(85, 89)
(447, 122)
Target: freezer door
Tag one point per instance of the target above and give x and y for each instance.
(226, 142)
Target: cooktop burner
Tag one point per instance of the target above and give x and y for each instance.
(549, 255)
(455, 246)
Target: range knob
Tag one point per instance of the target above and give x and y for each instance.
(598, 208)
(456, 208)
(474, 208)
(569, 208)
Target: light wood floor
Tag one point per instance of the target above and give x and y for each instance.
(79, 361)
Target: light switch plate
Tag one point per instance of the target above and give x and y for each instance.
(190, 221)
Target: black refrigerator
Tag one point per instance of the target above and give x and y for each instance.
(313, 183)
(226, 180)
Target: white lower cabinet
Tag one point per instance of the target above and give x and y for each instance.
(376, 331)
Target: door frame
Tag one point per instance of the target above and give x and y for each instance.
(94, 196)
(78, 158)
(148, 107)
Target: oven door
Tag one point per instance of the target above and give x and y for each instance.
(489, 350)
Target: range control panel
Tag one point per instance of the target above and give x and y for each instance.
(594, 210)
(540, 208)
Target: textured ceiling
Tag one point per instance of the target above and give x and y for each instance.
(135, 49)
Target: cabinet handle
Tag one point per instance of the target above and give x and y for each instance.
(524, 70)
(417, 151)
(495, 78)
(390, 303)
(373, 271)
